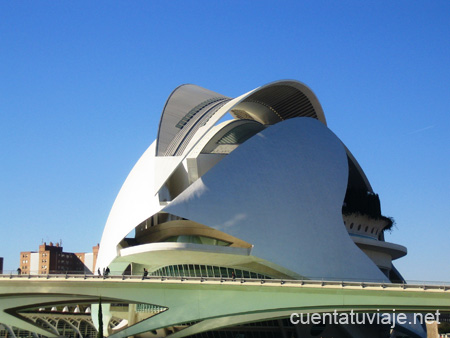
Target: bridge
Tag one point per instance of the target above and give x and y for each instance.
(198, 304)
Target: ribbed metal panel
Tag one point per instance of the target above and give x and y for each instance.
(190, 124)
(286, 101)
(242, 114)
(187, 122)
(201, 122)
(178, 127)
(240, 134)
(179, 110)
(186, 118)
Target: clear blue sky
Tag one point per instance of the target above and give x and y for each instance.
(82, 86)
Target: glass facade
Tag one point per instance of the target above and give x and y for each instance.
(205, 271)
(196, 240)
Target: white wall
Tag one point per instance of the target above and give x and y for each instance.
(34, 263)
(89, 262)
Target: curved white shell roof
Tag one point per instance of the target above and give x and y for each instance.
(282, 190)
(134, 204)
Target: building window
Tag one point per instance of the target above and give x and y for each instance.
(351, 226)
(359, 227)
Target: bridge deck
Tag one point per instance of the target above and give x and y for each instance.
(423, 286)
(206, 301)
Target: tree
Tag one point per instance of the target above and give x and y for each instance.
(100, 319)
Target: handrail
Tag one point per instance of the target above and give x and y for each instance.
(425, 286)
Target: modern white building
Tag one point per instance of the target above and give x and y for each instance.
(256, 186)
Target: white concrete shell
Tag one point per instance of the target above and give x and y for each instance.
(306, 152)
(282, 191)
(134, 203)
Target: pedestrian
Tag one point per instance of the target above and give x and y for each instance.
(107, 271)
(99, 272)
(145, 274)
(233, 275)
(19, 271)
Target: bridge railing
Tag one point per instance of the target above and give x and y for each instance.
(424, 285)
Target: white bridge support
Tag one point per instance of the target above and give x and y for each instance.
(10, 331)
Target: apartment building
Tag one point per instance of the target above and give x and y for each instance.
(51, 259)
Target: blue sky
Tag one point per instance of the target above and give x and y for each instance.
(82, 86)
